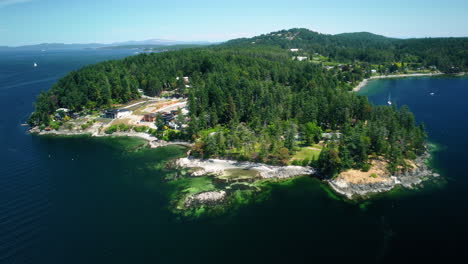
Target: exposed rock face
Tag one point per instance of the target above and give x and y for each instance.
(407, 179)
(205, 198)
(217, 167)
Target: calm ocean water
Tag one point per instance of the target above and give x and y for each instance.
(83, 200)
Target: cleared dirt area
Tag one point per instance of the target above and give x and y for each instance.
(377, 173)
(162, 106)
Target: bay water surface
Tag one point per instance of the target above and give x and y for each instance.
(87, 200)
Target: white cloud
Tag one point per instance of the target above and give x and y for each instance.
(4, 3)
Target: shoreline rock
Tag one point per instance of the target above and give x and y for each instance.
(408, 179)
(205, 198)
(218, 166)
(152, 140)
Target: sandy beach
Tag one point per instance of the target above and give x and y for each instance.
(365, 81)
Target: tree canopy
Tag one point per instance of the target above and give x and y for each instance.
(252, 101)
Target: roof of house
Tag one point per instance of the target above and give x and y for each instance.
(331, 135)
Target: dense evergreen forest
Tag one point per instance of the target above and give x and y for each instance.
(249, 100)
(447, 54)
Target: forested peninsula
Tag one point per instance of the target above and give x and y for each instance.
(280, 98)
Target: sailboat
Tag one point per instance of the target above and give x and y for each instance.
(35, 64)
(389, 101)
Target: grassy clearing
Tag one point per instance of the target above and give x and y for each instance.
(311, 153)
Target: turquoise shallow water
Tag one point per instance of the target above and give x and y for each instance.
(84, 200)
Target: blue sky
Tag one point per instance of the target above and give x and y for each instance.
(83, 21)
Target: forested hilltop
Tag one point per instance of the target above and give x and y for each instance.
(249, 99)
(446, 54)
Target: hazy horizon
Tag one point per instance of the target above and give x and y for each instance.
(31, 22)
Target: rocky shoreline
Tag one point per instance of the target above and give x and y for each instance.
(205, 198)
(152, 140)
(218, 166)
(409, 179)
(233, 179)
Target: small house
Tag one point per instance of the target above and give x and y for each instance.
(167, 117)
(65, 110)
(328, 136)
(151, 117)
(300, 58)
(294, 50)
(373, 71)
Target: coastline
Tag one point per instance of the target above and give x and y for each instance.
(153, 142)
(219, 166)
(226, 183)
(409, 179)
(365, 81)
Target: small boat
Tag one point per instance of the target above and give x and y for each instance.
(35, 64)
(389, 101)
(432, 94)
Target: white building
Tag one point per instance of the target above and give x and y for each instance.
(118, 113)
(65, 110)
(294, 50)
(300, 58)
(373, 71)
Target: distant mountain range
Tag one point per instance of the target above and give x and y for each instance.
(126, 44)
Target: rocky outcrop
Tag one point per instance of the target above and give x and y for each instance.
(217, 167)
(205, 198)
(407, 179)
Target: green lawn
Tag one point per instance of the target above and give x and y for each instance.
(310, 153)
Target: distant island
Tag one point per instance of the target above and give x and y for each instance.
(145, 44)
(250, 110)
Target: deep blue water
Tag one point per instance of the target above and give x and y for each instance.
(83, 200)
